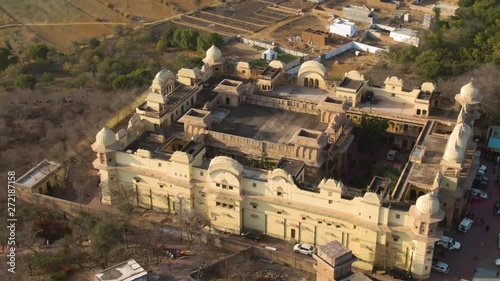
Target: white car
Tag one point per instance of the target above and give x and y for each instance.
(440, 267)
(482, 168)
(497, 262)
(304, 248)
(478, 193)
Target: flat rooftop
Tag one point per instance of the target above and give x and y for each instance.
(389, 107)
(181, 91)
(350, 84)
(291, 92)
(38, 173)
(267, 124)
(425, 172)
(291, 166)
(125, 271)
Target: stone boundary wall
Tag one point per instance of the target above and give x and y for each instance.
(64, 205)
(126, 111)
(295, 105)
(266, 46)
(351, 45)
(324, 11)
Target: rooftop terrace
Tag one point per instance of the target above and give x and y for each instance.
(294, 92)
(180, 92)
(350, 84)
(267, 124)
(425, 172)
(37, 174)
(389, 107)
(291, 166)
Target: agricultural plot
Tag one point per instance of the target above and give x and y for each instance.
(49, 11)
(147, 10)
(98, 11)
(64, 35)
(212, 27)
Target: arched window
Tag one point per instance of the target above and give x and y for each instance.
(316, 83)
(306, 82)
(413, 195)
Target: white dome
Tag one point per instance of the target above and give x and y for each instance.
(105, 137)
(277, 64)
(213, 54)
(470, 93)
(133, 120)
(162, 77)
(312, 66)
(226, 163)
(428, 204)
(453, 153)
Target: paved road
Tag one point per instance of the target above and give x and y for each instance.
(461, 263)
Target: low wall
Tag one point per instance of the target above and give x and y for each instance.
(126, 111)
(327, 12)
(344, 48)
(266, 46)
(64, 205)
(248, 145)
(222, 267)
(295, 105)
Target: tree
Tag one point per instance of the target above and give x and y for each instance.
(192, 223)
(206, 41)
(104, 237)
(25, 81)
(94, 43)
(6, 58)
(371, 133)
(38, 51)
(430, 64)
(189, 39)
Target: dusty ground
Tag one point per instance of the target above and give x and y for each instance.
(240, 51)
(80, 20)
(348, 61)
(257, 270)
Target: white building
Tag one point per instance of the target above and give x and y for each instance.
(407, 36)
(344, 28)
(270, 55)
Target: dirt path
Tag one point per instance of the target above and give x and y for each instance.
(60, 23)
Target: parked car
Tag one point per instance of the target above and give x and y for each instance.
(483, 179)
(448, 243)
(496, 208)
(400, 274)
(478, 193)
(251, 235)
(479, 184)
(465, 225)
(497, 262)
(304, 248)
(440, 267)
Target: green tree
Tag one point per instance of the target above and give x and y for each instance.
(430, 64)
(38, 51)
(189, 39)
(94, 43)
(371, 133)
(6, 58)
(206, 41)
(104, 237)
(25, 81)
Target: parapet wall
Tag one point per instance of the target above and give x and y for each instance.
(295, 105)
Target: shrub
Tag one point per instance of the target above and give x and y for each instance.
(25, 81)
(47, 77)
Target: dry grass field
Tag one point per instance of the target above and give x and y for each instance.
(68, 16)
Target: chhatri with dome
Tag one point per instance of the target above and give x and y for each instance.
(265, 150)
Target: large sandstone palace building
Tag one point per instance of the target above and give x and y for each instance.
(266, 151)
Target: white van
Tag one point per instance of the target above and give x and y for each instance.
(448, 243)
(465, 225)
(391, 155)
